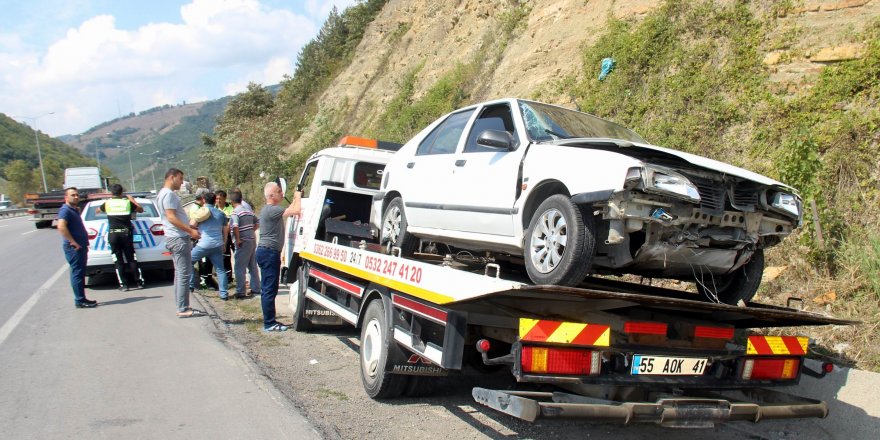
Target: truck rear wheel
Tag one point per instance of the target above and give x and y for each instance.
(421, 386)
(43, 224)
(298, 303)
(394, 228)
(378, 350)
(560, 243)
(740, 285)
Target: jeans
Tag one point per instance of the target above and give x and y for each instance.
(181, 250)
(77, 260)
(269, 261)
(245, 259)
(215, 256)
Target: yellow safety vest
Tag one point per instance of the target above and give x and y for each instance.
(118, 207)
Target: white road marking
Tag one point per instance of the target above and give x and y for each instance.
(29, 304)
(28, 232)
(3, 226)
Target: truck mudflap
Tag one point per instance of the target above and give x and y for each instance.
(703, 410)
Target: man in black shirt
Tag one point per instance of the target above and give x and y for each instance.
(120, 210)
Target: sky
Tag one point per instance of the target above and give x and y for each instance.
(68, 65)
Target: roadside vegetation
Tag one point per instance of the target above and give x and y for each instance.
(20, 162)
(690, 77)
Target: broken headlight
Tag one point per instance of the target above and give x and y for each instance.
(659, 180)
(787, 204)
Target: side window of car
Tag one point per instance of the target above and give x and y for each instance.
(496, 117)
(444, 138)
(307, 178)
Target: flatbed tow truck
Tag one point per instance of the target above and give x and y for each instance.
(617, 352)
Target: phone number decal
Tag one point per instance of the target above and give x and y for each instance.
(394, 269)
(387, 267)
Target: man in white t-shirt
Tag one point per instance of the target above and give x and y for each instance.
(178, 240)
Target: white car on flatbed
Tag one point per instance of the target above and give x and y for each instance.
(566, 194)
(149, 239)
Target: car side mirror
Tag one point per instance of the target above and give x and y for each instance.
(496, 139)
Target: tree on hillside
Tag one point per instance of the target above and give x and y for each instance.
(21, 180)
(255, 102)
(246, 140)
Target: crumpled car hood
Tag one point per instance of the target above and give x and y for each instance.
(647, 152)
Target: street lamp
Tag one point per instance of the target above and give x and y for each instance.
(130, 168)
(37, 139)
(152, 168)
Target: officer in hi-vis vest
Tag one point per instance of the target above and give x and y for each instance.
(120, 211)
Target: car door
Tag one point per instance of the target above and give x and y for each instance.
(486, 180)
(307, 220)
(426, 177)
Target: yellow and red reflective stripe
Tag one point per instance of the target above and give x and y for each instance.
(337, 282)
(426, 311)
(777, 345)
(540, 330)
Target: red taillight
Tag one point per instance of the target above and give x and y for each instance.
(778, 368)
(713, 332)
(827, 367)
(31, 211)
(645, 328)
(483, 345)
(157, 229)
(551, 360)
(93, 234)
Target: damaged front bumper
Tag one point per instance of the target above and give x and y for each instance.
(697, 410)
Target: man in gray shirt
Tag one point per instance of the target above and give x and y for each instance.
(269, 250)
(244, 223)
(178, 235)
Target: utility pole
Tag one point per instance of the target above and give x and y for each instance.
(37, 141)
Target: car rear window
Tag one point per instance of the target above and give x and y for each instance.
(149, 211)
(368, 175)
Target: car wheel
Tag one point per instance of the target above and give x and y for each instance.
(394, 228)
(560, 243)
(741, 285)
(377, 352)
(298, 303)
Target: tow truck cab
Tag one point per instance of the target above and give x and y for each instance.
(337, 187)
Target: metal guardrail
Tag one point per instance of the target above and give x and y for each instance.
(4, 213)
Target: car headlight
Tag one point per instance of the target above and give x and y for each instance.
(665, 181)
(787, 203)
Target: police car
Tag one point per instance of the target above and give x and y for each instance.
(148, 237)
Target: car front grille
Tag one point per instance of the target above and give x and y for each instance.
(745, 197)
(712, 195)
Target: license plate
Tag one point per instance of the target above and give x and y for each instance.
(137, 238)
(668, 366)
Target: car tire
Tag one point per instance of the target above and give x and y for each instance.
(740, 285)
(394, 228)
(378, 351)
(298, 303)
(560, 243)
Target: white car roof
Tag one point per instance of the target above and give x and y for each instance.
(136, 199)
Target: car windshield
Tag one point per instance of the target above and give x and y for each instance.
(92, 214)
(546, 123)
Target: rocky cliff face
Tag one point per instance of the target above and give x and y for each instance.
(432, 36)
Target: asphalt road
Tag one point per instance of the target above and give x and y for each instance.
(127, 369)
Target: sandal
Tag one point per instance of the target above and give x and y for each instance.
(193, 313)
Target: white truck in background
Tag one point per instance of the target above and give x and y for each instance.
(44, 206)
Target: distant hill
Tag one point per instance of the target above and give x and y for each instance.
(17, 142)
(159, 138)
